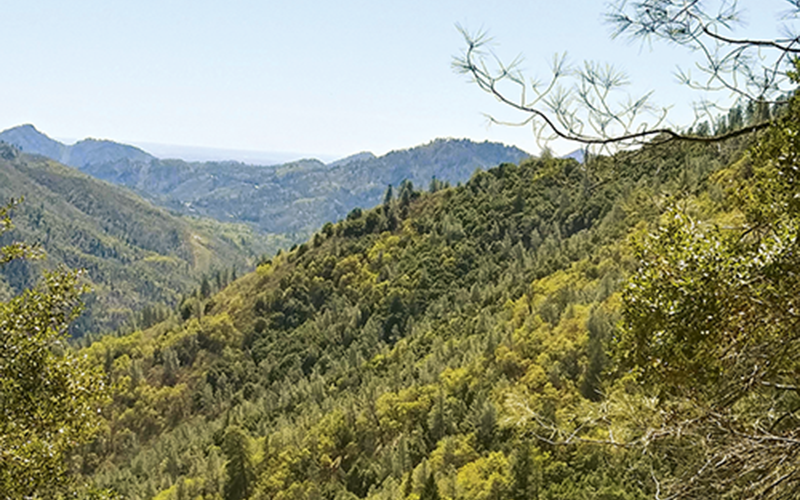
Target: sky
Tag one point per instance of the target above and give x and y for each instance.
(315, 78)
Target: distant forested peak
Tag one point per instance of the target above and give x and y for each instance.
(137, 256)
(362, 156)
(293, 199)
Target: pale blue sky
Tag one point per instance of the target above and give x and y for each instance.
(325, 78)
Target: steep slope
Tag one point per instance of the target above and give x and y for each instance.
(294, 199)
(299, 197)
(30, 140)
(400, 352)
(135, 254)
(362, 156)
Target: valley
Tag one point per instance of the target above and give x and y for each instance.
(400, 350)
(292, 199)
(483, 340)
(428, 317)
(216, 220)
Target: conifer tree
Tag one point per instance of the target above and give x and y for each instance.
(241, 473)
(387, 198)
(205, 287)
(430, 491)
(409, 484)
(523, 480)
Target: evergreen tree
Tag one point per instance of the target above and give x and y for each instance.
(523, 480)
(430, 491)
(213, 473)
(405, 196)
(239, 466)
(387, 198)
(437, 424)
(598, 327)
(434, 185)
(205, 287)
(409, 484)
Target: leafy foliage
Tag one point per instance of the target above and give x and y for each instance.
(711, 321)
(50, 397)
(135, 255)
(396, 353)
(478, 342)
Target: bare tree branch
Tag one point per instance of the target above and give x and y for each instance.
(576, 103)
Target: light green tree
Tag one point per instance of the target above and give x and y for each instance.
(711, 330)
(50, 398)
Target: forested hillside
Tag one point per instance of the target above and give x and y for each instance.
(293, 199)
(452, 321)
(433, 347)
(138, 258)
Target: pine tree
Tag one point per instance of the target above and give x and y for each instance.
(437, 424)
(241, 473)
(387, 198)
(205, 287)
(430, 491)
(409, 485)
(523, 481)
(598, 326)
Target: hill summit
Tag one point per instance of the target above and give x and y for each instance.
(291, 199)
(79, 155)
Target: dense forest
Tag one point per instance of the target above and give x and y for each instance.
(139, 259)
(620, 324)
(620, 328)
(538, 332)
(288, 201)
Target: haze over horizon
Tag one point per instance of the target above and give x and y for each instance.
(323, 80)
(209, 154)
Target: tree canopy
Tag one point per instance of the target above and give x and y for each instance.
(50, 397)
(712, 320)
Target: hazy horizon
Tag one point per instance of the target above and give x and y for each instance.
(328, 79)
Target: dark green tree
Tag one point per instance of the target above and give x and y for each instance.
(205, 287)
(387, 198)
(523, 478)
(599, 328)
(430, 491)
(408, 488)
(239, 465)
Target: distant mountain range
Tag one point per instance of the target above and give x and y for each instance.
(291, 199)
(79, 155)
(135, 254)
(138, 255)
